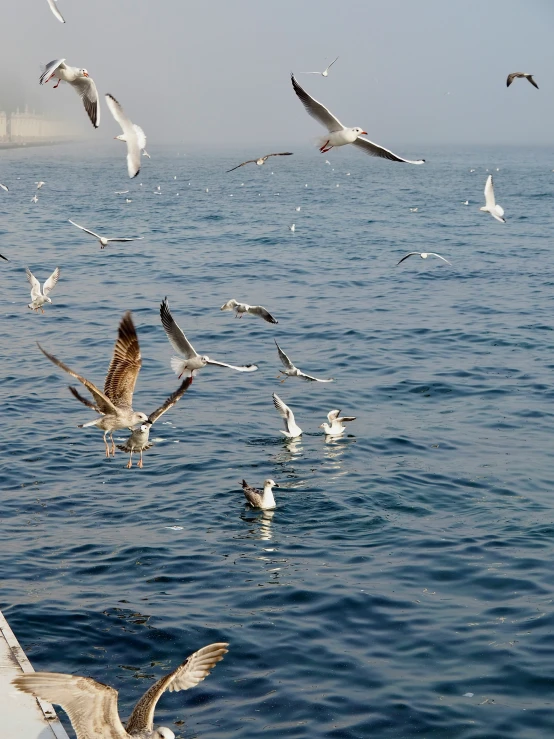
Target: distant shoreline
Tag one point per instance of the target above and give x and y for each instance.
(28, 144)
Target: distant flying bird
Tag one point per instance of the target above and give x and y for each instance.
(103, 241)
(338, 134)
(34, 199)
(121, 192)
(81, 82)
(423, 255)
(258, 498)
(254, 310)
(54, 8)
(293, 227)
(38, 298)
(325, 72)
(40, 184)
(141, 136)
(129, 133)
(292, 371)
(516, 75)
(490, 206)
(336, 426)
(92, 707)
(292, 429)
(4, 187)
(262, 160)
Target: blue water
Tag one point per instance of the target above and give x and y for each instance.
(409, 563)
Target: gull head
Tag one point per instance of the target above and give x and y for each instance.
(145, 426)
(229, 305)
(204, 359)
(141, 418)
(260, 161)
(83, 73)
(162, 732)
(121, 137)
(269, 483)
(47, 298)
(359, 132)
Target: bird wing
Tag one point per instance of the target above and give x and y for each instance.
(280, 154)
(248, 161)
(345, 419)
(91, 706)
(411, 254)
(258, 310)
(105, 405)
(125, 365)
(316, 110)
(284, 411)
(141, 136)
(170, 402)
(191, 672)
(131, 136)
(176, 337)
(374, 150)
(4, 258)
(49, 70)
(283, 357)
(50, 283)
(243, 368)
(511, 78)
(489, 193)
(35, 284)
(86, 230)
(86, 90)
(332, 415)
(532, 81)
(54, 8)
(330, 65)
(434, 254)
(304, 376)
(4, 187)
(136, 238)
(251, 494)
(85, 401)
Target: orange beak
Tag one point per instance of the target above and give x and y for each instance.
(85, 74)
(364, 133)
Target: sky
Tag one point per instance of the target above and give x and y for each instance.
(216, 73)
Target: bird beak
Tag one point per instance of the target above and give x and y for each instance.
(364, 133)
(320, 426)
(276, 485)
(85, 74)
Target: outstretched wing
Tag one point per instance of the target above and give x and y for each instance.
(35, 284)
(374, 150)
(316, 110)
(125, 365)
(258, 310)
(191, 672)
(86, 230)
(85, 401)
(434, 254)
(532, 81)
(411, 254)
(280, 154)
(283, 357)
(248, 161)
(54, 8)
(489, 193)
(511, 78)
(243, 368)
(309, 378)
(49, 70)
(130, 133)
(170, 402)
(86, 90)
(176, 337)
(50, 283)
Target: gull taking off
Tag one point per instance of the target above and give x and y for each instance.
(192, 360)
(81, 82)
(38, 298)
(116, 402)
(130, 135)
(292, 371)
(103, 241)
(258, 499)
(325, 72)
(242, 308)
(291, 428)
(423, 255)
(336, 427)
(262, 160)
(54, 8)
(338, 134)
(490, 206)
(92, 706)
(524, 75)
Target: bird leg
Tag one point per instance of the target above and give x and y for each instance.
(42, 309)
(130, 462)
(323, 149)
(106, 445)
(57, 84)
(113, 444)
(139, 463)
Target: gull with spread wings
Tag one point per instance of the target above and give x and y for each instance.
(116, 402)
(325, 72)
(103, 241)
(130, 135)
(262, 160)
(38, 298)
(292, 429)
(336, 426)
(92, 706)
(423, 255)
(254, 310)
(338, 134)
(80, 81)
(496, 211)
(523, 75)
(292, 371)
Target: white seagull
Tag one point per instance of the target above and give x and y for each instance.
(38, 298)
(4, 187)
(325, 72)
(34, 199)
(40, 184)
(293, 227)
(81, 82)
(103, 241)
(129, 133)
(338, 134)
(258, 498)
(254, 310)
(141, 136)
(423, 255)
(336, 426)
(292, 430)
(490, 206)
(54, 8)
(192, 360)
(292, 371)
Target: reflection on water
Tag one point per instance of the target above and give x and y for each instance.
(261, 525)
(333, 452)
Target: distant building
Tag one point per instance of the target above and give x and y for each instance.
(26, 126)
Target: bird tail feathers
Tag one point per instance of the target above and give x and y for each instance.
(178, 365)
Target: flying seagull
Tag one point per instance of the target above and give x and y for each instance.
(54, 8)
(525, 75)
(103, 241)
(490, 206)
(40, 184)
(336, 426)
(4, 187)
(292, 371)
(116, 402)
(262, 160)
(242, 308)
(38, 298)
(34, 199)
(339, 135)
(291, 428)
(325, 72)
(141, 136)
(81, 82)
(258, 498)
(139, 439)
(423, 255)
(92, 706)
(192, 360)
(130, 134)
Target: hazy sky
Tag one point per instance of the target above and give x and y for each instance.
(217, 72)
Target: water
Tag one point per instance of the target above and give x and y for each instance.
(407, 564)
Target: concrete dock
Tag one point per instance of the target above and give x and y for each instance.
(23, 717)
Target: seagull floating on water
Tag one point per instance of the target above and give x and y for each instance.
(338, 134)
(258, 498)
(490, 206)
(242, 308)
(130, 135)
(102, 239)
(325, 72)
(292, 371)
(81, 82)
(524, 75)
(423, 255)
(54, 8)
(262, 160)
(40, 184)
(292, 429)
(336, 426)
(38, 298)
(92, 706)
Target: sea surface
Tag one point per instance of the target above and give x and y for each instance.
(404, 585)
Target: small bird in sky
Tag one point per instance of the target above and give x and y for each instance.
(524, 75)
(325, 72)
(262, 160)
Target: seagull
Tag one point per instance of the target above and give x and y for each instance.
(54, 8)
(298, 208)
(121, 192)
(242, 308)
(40, 184)
(262, 160)
(339, 135)
(465, 202)
(258, 499)
(92, 706)
(103, 241)
(336, 427)
(293, 227)
(115, 403)
(325, 72)
(413, 210)
(525, 75)
(34, 199)
(291, 428)
(192, 360)
(292, 371)
(4, 187)
(81, 82)
(490, 206)
(38, 298)
(423, 255)
(141, 136)
(130, 135)
(139, 439)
